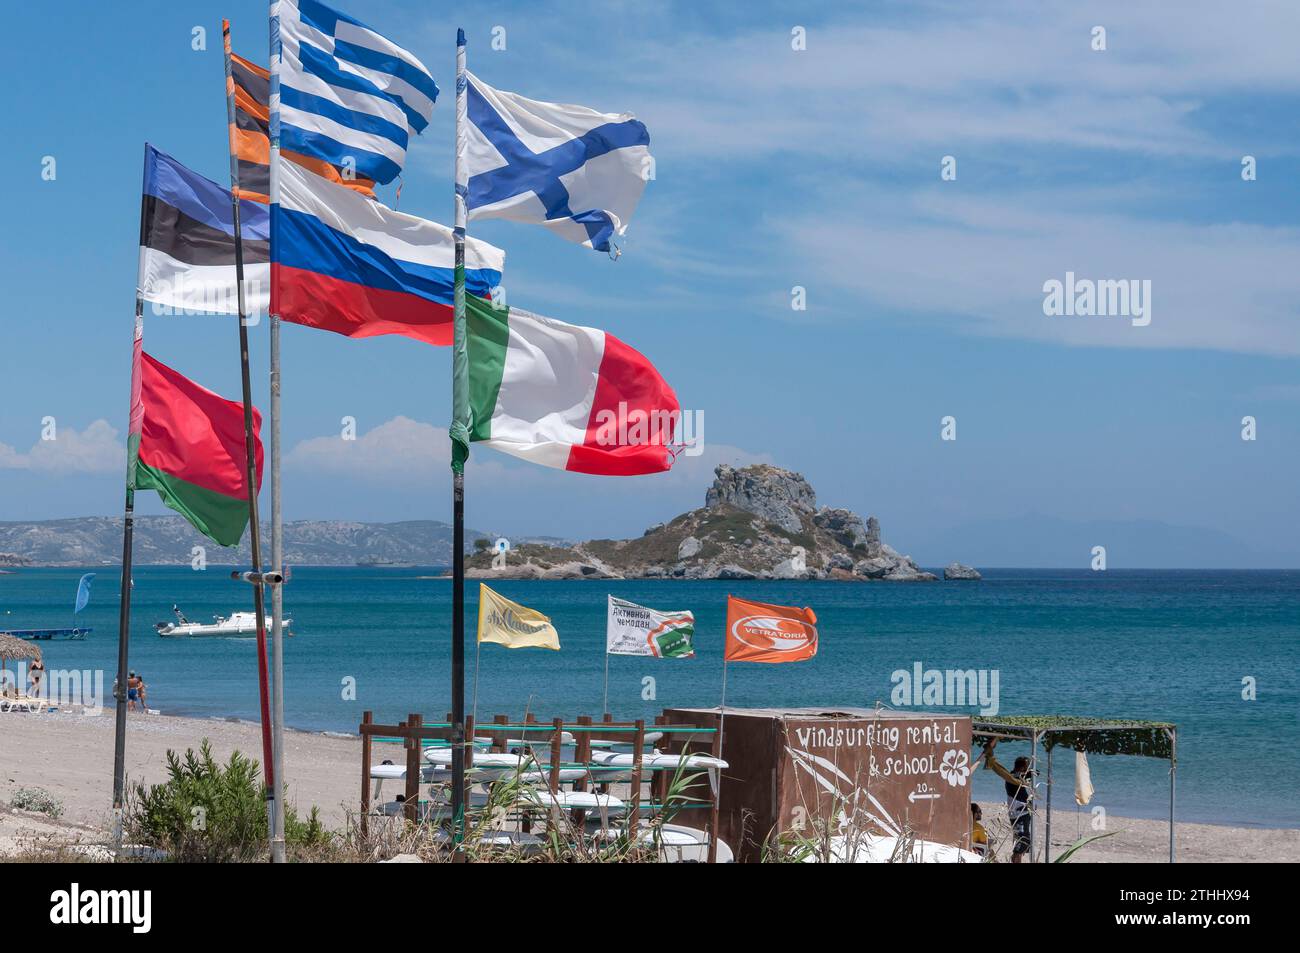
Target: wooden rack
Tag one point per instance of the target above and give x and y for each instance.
(415, 734)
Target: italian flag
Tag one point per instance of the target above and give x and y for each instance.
(188, 444)
(565, 396)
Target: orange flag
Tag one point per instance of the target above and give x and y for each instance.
(758, 632)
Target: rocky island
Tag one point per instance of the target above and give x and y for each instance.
(757, 522)
(958, 571)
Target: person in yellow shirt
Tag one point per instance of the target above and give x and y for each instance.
(979, 837)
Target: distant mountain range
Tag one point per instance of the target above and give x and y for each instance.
(170, 540)
(1023, 542)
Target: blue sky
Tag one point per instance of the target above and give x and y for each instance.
(776, 168)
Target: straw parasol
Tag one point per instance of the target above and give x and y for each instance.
(14, 649)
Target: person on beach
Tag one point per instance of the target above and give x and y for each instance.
(35, 672)
(979, 837)
(142, 689)
(1020, 806)
(132, 690)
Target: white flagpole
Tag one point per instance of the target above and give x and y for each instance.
(478, 655)
(609, 613)
(459, 428)
(722, 704)
(277, 515)
(605, 706)
(715, 776)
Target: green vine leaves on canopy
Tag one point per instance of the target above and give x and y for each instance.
(1148, 739)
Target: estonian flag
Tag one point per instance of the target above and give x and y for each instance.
(187, 243)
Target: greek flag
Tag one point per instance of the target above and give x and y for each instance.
(347, 95)
(576, 171)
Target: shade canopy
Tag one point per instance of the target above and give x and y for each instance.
(1148, 739)
(14, 649)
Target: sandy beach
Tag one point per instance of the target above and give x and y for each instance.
(71, 755)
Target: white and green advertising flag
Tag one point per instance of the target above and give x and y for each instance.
(636, 630)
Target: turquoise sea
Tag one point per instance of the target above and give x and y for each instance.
(1167, 645)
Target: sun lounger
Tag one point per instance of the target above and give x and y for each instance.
(26, 703)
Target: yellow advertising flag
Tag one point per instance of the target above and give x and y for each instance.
(512, 625)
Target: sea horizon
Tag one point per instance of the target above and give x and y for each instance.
(1063, 641)
(929, 567)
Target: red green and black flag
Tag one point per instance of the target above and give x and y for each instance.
(188, 444)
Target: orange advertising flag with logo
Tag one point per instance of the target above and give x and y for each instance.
(758, 632)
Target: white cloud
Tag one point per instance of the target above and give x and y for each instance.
(1033, 114)
(981, 267)
(95, 449)
(959, 75)
(402, 452)
(398, 452)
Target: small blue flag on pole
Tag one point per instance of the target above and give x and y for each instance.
(83, 592)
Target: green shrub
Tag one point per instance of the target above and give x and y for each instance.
(38, 800)
(205, 811)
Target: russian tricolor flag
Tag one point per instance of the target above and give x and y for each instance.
(346, 263)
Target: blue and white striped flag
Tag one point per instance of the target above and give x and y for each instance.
(347, 95)
(577, 171)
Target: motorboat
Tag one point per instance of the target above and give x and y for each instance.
(235, 625)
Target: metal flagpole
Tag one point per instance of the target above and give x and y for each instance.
(459, 432)
(1173, 776)
(277, 515)
(274, 805)
(605, 705)
(722, 704)
(1047, 828)
(478, 656)
(1033, 774)
(128, 539)
(123, 638)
